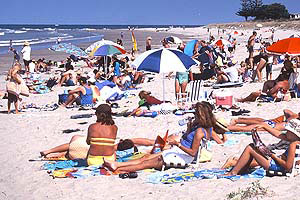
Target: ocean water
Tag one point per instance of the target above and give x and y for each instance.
(44, 36)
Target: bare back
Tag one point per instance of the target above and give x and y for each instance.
(251, 40)
(97, 130)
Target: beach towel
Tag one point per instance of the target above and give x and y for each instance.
(179, 177)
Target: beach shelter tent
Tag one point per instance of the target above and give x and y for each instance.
(68, 48)
(189, 47)
(163, 61)
(290, 46)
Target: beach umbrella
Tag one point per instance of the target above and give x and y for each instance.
(69, 48)
(295, 36)
(189, 47)
(259, 25)
(290, 46)
(173, 40)
(106, 50)
(101, 43)
(221, 43)
(163, 61)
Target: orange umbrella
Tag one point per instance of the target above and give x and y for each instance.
(290, 46)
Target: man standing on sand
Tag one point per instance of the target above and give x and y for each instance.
(250, 47)
(148, 43)
(26, 55)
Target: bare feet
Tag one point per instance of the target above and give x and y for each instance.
(111, 165)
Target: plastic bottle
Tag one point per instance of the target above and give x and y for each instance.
(156, 149)
(183, 122)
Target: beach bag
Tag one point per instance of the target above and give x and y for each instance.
(17, 89)
(62, 98)
(205, 153)
(260, 146)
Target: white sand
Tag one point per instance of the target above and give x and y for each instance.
(24, 136)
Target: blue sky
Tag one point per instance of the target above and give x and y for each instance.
(125, 11)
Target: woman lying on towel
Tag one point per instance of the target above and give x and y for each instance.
(254, 155)
(186, 149)
(249, 123)
(275, 93)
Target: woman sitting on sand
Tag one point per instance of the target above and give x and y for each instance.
(101, 137)
(83, 95)
(185, 149)
(277, 123)
(252, 157)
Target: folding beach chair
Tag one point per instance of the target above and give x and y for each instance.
(293, 81)
(295, 169)
(194, 93)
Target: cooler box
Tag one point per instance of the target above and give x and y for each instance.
(224, 98)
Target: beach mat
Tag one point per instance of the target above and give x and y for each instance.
(225, 85)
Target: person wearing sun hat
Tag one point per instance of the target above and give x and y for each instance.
(253, 156)
(26, 51)
(148, 43)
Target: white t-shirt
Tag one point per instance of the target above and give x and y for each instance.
(232, 73)
(26, 52)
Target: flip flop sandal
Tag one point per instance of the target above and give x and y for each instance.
(128, 175)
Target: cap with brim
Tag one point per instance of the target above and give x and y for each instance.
(221, 123)
(293, 126)
(26, 43)
(149, 38)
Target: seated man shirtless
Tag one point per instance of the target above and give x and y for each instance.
(280, 87)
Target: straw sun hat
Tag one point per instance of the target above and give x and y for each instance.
(26, 43)
(223, 124)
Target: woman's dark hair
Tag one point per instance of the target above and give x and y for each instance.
(126, 144)
(103, 113)
(143, 94)
(82, 80)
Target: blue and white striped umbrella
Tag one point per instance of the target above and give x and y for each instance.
(163, 61)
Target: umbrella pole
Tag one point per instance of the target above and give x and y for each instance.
(163, 87)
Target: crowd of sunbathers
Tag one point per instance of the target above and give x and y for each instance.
(216, 62)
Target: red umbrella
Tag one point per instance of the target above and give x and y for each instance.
(290, 46)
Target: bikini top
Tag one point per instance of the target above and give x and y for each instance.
(103, 141)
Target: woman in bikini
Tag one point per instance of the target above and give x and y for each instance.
(186, 149)
(252, 157)
(101, 137)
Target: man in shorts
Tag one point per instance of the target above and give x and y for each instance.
(26, 51)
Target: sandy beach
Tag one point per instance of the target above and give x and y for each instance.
(23, 136)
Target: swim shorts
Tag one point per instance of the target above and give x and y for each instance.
(275, 166)
(250, 49)
(182, 77)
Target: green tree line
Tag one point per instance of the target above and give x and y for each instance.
(256, 9)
